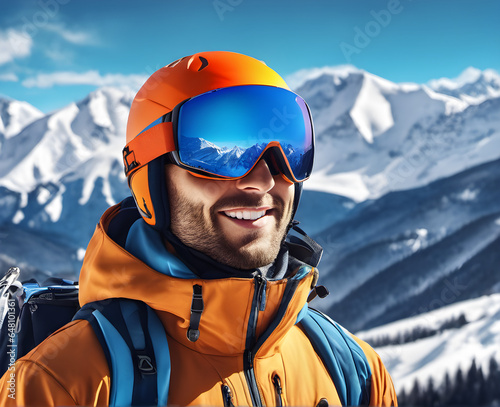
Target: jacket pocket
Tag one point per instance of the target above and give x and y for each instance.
(278, 390)
(227, 396)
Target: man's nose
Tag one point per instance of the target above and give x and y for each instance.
(259, 179)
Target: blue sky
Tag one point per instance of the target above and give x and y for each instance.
(53, 52)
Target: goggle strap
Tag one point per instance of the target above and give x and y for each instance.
(148, 145)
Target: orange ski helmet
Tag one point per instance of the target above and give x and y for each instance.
(182, 79)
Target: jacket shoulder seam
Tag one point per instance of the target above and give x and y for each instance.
(30, 356)
(49, 374)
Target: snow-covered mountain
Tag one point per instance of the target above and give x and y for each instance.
(473, 85)
(440, 342)
(376, 136)
(57, 175)
(59, 143)
(14, 116)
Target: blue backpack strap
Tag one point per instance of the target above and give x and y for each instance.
(135, 344)
(342, 356)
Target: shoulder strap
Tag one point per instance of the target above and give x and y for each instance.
(136, 348)
(342, 356)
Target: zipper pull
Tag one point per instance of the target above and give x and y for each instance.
(279, 390)
(322, 403)
(249, 358)
(261, 285)
(227, 396)
(197, 307)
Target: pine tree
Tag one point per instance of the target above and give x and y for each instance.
(461, 321)
(471, 384)
(402, 398)
(431, 397)
(493, 382)
(458, 389)
(481, 389)
(415, 397)
(446, 391)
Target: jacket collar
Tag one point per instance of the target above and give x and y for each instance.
(148, 245)
(230, 304)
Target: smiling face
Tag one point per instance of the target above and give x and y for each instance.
(240, 223)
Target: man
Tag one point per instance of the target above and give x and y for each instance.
(217, 150)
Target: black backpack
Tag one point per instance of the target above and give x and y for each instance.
(30, 312)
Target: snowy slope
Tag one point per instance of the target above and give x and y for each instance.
(385, 257)
(444, 351)
(14, 116)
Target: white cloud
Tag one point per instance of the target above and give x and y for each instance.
(58, 55)
(14, 44)
(73, 37)
(8, 77)
(94, 78)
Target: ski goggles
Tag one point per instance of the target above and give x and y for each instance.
(223, 134)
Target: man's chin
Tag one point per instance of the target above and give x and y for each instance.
(255, 254)
(247, 248)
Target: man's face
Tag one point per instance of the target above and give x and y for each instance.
(239, 223)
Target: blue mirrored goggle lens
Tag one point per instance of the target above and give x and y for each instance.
(224, 132)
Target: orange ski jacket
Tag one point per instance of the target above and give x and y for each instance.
(70, 367)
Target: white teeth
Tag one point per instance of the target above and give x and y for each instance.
(246, 215)
(256, 215)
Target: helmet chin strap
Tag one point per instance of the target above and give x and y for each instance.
(159, 197)
(296, 198)
(300, 245)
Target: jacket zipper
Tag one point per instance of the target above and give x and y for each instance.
(227, 396)
(252, 345)
(260, 284)
(278, 389)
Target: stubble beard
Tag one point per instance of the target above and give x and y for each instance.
(189, 223)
